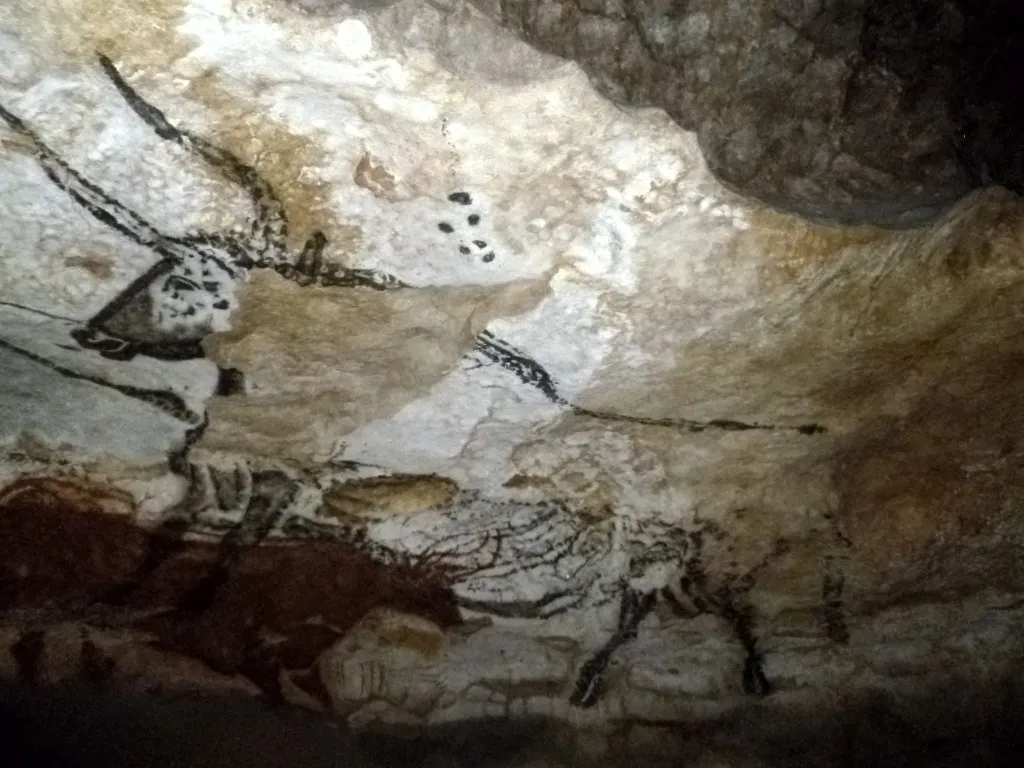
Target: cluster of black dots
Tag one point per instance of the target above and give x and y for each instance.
(469, 245)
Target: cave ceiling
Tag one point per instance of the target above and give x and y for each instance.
(423, 361)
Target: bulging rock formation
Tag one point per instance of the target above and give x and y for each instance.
(869, 111)
(363, 357)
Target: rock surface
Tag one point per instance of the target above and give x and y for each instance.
(371, 360)
(871, 111)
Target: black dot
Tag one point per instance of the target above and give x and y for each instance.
(445, 227)
(464, 249)
(222, 304)
(480, 243)
(474, 219)
(488, 257)
(462, 198)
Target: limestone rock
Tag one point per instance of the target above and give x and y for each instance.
(866, 111)
(368, 358)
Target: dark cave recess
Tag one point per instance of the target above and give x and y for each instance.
(855, 111)
(967, 724)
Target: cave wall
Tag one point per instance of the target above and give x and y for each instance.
(367, 358)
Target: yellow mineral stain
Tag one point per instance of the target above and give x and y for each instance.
(374, 177)
(98, 265)
(29, 445)
(793, 247)
(390, 496)
(404, 630)
(284, 160)
(145, 31)
(322, 361)
(984, 229)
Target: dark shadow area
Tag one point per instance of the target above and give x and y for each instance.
(83, 728)
(990, 106)
(962, 725)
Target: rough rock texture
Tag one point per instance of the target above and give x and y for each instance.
(872, 111)
(374, 362)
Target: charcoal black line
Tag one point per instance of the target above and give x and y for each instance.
(167, 402)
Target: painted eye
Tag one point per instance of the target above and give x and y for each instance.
(179, 283)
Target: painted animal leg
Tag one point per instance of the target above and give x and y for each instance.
(755, 683)
(632, 610)
(690, 599)
(269, 493)
(168, 539)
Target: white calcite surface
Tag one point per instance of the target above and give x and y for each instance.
(708, 440)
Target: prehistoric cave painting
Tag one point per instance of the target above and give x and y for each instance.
(495, 552)
(166, 401)
(190, 289)
(254, 587)
(729, 603)
(633, 607)
(833, 583)
(833, 611)
(397, 662)
(242, 505)
(689, 594)
(469, 241)
(262, 611)
(188, 292)
(489, 349)
(504, 558)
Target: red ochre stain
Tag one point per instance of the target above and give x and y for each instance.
(285, 603)
(65, 543)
